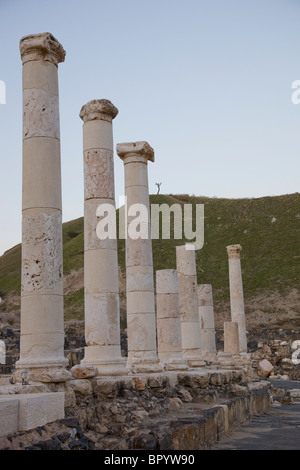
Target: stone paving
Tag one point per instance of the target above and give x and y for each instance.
(277, 429)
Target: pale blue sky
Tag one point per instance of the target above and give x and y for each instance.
(206, 83)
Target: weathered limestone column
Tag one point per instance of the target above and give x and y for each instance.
(231, 338)
(101, 283)
(207, 321)
(227, 357)
(141, 322)
(188, 304)
(42, 314)
(168, 320)
(236, 293)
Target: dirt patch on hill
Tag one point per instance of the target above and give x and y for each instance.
(272, 309)
(73, 281)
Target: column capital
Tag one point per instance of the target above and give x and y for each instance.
(43, 46)
(234, 251)
(130, 149)
(102, 110)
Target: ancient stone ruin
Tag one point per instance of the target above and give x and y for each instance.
(173, 369)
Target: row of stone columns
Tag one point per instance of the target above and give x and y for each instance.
(180, 333)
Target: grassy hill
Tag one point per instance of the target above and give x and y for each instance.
(268, 229)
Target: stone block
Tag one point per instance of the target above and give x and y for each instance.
(141, 332)
(265, 368)
(185, 261)
(136, 174)
(93, 238)
(98, 275)
(98, 171)
(140, 383)
(41, 186)
(28, 411)
(81, 371)
(139, 278)
(39, 409)
(9, 412)
(140, 302)
(102, 321)
(81, 386)
(97, 134)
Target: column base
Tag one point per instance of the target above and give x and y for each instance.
(138, 364)
(104, 363)
(194, 358)
(51, 370)
(227, 361)
(174, 364)
(243, 361)
(211, 359)
(244, 357)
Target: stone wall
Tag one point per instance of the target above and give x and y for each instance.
(188, 410)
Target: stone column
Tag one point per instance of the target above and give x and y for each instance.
(236, 293)
(168, 320)
(188, 304)
(101, 282)
(207, 321)
(42, 304)
(231, 338)
(141, 322)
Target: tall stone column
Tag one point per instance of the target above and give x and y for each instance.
(42, 304)
(101, 282)
(236, 293)
(207, 321)
(141, 322)
(169, 339)
(188, 304)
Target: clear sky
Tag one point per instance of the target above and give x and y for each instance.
(208, 83)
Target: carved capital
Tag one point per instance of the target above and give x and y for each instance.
(98, 110)
(130, 149)
(234, 251)
(42, 46)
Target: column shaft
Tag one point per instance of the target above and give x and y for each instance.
(207, 321)
(168, 320)
(188, 304)
(231, 338)
(101, 283)
(141, 322)
(236, 293)
(42, 314)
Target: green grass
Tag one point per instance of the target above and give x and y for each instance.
(270, 256)
(74, 305)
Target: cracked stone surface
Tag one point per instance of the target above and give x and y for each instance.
(42, 256)
(40, 114)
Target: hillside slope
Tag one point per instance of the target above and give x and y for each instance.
(268, 229)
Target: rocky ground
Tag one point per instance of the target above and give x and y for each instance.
(274, 345)
(138, 413)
